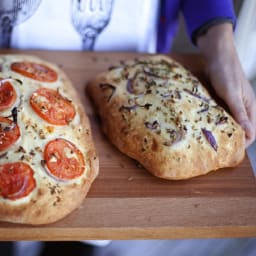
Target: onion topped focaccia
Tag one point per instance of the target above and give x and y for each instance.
(157, 112)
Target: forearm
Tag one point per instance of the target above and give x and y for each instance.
(217, 45)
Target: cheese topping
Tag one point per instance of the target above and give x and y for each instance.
(36, 132)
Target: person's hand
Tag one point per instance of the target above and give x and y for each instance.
(227, 77)
(230, 84)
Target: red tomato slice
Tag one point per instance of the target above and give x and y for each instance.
(35, 71)
(7, 95)
(9, 133)
(16, 180)
(52, 107)
(63, 159)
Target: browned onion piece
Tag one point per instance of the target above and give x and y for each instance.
(107, 86)
(197, 95)
(222, 120)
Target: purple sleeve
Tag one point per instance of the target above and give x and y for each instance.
(197, 13)
(167, 24)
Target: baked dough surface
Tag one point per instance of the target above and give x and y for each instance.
(52, 198)
(157, 112)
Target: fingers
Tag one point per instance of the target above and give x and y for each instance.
(251, 110)
(249, 132)
(244, 114)
(230, 83)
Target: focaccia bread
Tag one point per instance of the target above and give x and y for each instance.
(157, 112)
(47, 156)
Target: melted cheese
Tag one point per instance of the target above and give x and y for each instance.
(36, 132)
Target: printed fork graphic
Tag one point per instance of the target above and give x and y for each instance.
(89, 18)
(12, 13)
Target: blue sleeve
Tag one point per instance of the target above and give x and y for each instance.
(167, 24)
(199, 13)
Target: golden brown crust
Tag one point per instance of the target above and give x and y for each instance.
(158, 113)
(52, 199)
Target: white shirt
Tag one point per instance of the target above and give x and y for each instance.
(132, 27)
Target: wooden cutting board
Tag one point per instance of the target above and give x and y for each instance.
(126, 202)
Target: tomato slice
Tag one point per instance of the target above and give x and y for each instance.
(16, 180)
(52, 107)
(7, 95)
(35, 71)
(63, 159)
(9, 133)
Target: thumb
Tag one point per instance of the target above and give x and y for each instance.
(239, 112)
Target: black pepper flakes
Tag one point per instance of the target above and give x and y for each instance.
(3, 155)
(43, 163)
(20, 150)
(32, 152)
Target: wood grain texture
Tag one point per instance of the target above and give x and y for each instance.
(126, 202)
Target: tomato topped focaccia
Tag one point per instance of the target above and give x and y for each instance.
(157, 112)
(47, 157)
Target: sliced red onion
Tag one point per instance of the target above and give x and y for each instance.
(205, 109)
(166, 95)
(107, 86)
(210, 138)
(152, 126)
(197, 95)
(176, 94)
(129, 86)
